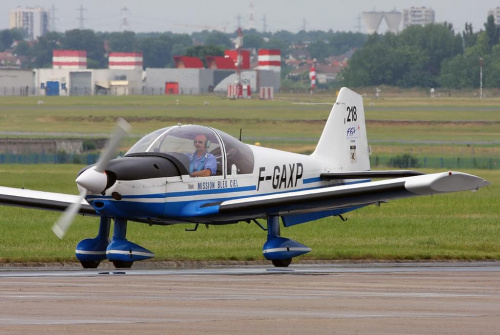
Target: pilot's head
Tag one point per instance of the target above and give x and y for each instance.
(200, 142)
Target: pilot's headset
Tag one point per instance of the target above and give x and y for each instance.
(207, 142)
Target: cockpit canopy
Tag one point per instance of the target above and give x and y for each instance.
(233, 157)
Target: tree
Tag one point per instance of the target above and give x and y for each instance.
(412, 58)
(319, 50)
(123, 42)
(42, 49)
(202, 51)
(157, 52)
(491, 32)
(460, 72)
(7, 38)
(342, 42)
(469, 37)
(437, 40)
(491, 73)
(220, 39)
(253, 41)
(275, 43)
(86, 40)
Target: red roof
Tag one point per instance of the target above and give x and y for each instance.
(186, 62)
(220, 62)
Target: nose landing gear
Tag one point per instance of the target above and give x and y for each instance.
(123, 253)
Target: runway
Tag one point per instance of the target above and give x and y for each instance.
(409, 298)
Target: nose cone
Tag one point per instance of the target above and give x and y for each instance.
(92, 181)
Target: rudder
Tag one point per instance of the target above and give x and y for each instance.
(343, 141)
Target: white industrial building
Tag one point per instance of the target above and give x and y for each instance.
(16, 82)
(69, 76)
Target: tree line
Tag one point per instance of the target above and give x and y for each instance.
(419, 56)
(428, 56)
(159, 48)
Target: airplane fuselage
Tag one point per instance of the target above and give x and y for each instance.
(181, 198)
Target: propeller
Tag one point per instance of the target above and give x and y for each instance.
(94, 179)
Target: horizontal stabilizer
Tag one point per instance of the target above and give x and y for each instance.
(370, 174)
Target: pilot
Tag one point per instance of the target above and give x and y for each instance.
(201, 162)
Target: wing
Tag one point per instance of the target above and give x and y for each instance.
(353, 195)
(41, 200)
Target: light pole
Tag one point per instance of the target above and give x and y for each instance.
(480, 77)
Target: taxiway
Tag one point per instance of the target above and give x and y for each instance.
(410, 298)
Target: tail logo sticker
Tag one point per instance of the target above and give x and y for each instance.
(353, 154)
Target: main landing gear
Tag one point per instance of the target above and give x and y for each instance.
(280, 250)
(123, 253)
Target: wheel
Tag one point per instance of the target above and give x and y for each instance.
(90, 264)
(281, 263)
(122, 264)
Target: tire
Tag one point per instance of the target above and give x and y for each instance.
(90, 264)
(282, 263)
(122, 264)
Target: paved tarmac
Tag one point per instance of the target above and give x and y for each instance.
(392, 298)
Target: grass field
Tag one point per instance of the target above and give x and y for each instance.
(462, 225)
(455, 226)
(468, 126)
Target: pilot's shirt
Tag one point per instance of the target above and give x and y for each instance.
(206, 161)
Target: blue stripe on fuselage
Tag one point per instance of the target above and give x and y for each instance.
(217, 191)
(172, 209)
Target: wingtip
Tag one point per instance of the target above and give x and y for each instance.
(445, 182)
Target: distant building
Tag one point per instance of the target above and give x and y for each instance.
(125, 60)
(187, 62)
(496, 15)
(220, 62)
(245, 57)
(34, 21)
(418, 16)
(69, 59)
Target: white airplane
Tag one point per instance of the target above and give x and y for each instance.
(153, 184)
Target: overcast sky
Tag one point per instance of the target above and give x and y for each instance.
(186, 16)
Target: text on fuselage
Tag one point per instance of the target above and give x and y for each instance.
(283, 176)
(219, 184)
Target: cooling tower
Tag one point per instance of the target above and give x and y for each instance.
(372, 21)
(393, 20)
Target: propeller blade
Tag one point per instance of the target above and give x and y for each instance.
(122, 128)
(62, 225)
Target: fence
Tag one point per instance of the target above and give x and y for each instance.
(489, 163)
(87, 91)
(42, 158)
(16, 91)
(377, 161)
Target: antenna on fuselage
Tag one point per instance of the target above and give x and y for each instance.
(241, 130)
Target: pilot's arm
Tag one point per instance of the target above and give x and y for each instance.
(209, 168)
(202, 173)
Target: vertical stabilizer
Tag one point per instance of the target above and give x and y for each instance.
(343, 142)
